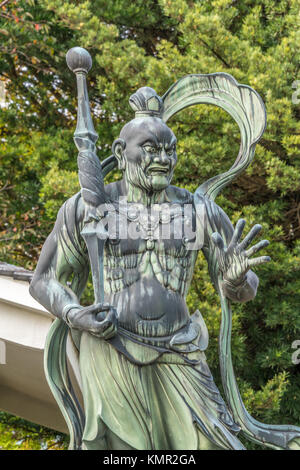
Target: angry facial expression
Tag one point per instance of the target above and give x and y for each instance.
(148, 153)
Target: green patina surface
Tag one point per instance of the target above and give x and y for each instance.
(260, 42)
(111, 414)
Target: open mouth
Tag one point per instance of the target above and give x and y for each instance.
(158, 170)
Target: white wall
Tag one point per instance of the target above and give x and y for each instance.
(24, 325)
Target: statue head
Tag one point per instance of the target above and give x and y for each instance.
(146, 148)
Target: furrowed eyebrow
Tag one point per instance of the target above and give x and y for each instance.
(150, 142)
(149, 138)
(171, 144)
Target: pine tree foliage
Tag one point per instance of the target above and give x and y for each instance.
(154, 43)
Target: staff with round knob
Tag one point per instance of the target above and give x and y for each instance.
(85, 136)
(89, 168)
(80, 62)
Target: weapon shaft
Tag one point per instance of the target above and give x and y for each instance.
(89, 169)
(95, 248)
(85, 135)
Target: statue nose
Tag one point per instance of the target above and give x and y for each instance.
(162, 158)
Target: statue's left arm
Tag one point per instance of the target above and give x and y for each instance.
(233, 257)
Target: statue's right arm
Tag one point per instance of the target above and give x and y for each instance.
(64, 256)
(53, 270)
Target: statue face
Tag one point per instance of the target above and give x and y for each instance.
(148, 153)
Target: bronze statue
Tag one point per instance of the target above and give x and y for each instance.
(146, 383)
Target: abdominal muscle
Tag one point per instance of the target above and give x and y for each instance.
(148, 309)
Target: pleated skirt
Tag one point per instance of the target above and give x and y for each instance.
(162, 406)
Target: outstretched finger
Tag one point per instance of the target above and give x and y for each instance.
(257, 247)
(249, 237)
(259, 260)
(236, 236)
(218, 240)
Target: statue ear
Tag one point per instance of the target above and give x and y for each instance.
(118, 148)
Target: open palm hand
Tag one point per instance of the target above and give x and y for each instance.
(234, 261)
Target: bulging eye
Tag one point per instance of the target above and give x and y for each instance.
(150, 148)
(170, 151)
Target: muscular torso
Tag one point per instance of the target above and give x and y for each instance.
(147, 278)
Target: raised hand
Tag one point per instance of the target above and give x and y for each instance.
(234, 260)
(100, 320)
